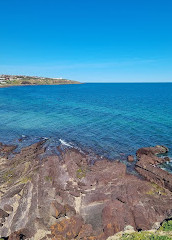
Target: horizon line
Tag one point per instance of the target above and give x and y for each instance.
(127, 82)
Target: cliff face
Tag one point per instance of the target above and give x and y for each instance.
(64, 197)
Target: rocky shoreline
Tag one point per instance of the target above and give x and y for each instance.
(25, 85)
(22, 80)
(63, 196)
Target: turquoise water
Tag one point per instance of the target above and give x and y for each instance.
(110, 119)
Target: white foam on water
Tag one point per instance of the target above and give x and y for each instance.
(163, 168)
(65, 143)
(45, 138)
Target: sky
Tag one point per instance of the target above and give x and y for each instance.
(87, 40)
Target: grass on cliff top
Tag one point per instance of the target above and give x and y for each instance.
(37, 81)
(166, 226)
(163, 233)
(144, 236)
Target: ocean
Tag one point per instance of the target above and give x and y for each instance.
(110, 119)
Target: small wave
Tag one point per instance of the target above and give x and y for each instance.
(65, 143)
(45, 138)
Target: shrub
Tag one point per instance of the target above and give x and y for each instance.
(25, 82)
(166, 226)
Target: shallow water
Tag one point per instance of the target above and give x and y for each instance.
(111, 119)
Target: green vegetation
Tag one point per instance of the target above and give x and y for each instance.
(80, 173)
(163, 233)
(166, 226)
(144, 236)
(48, 179)
(8, 175)
(156, 190)
(9, 80)
(25, 179)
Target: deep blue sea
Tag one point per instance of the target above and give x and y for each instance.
(111, 119)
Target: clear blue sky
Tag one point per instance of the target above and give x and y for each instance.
(87, 40)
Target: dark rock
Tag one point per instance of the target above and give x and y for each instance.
(3, 214)
(166, 159)
(18, 235)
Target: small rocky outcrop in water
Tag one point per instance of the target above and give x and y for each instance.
(63, 197)
(147, 166)
(130, 158)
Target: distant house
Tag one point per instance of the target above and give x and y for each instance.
(2, 80)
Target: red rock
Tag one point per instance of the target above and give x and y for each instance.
(67, 228)
(86, 231)
(152, 150)
(8, 208)
(69, 211)
(130, 158)
(7, 149)
(115, 215)
(147, 166)
(75, 193)
(3, 214)
(108, 198)
(57, 210)
(18, 235)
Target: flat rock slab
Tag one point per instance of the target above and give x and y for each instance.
(63, 197)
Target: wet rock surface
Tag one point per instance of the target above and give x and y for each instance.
(64, 197)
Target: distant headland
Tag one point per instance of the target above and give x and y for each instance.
(22, 80)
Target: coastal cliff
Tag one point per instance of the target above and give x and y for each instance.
(66, 197)
(18, 80)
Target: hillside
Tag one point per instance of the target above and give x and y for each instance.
(11, 80)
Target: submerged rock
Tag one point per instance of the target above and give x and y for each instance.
(63, 197)
(130, 158)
